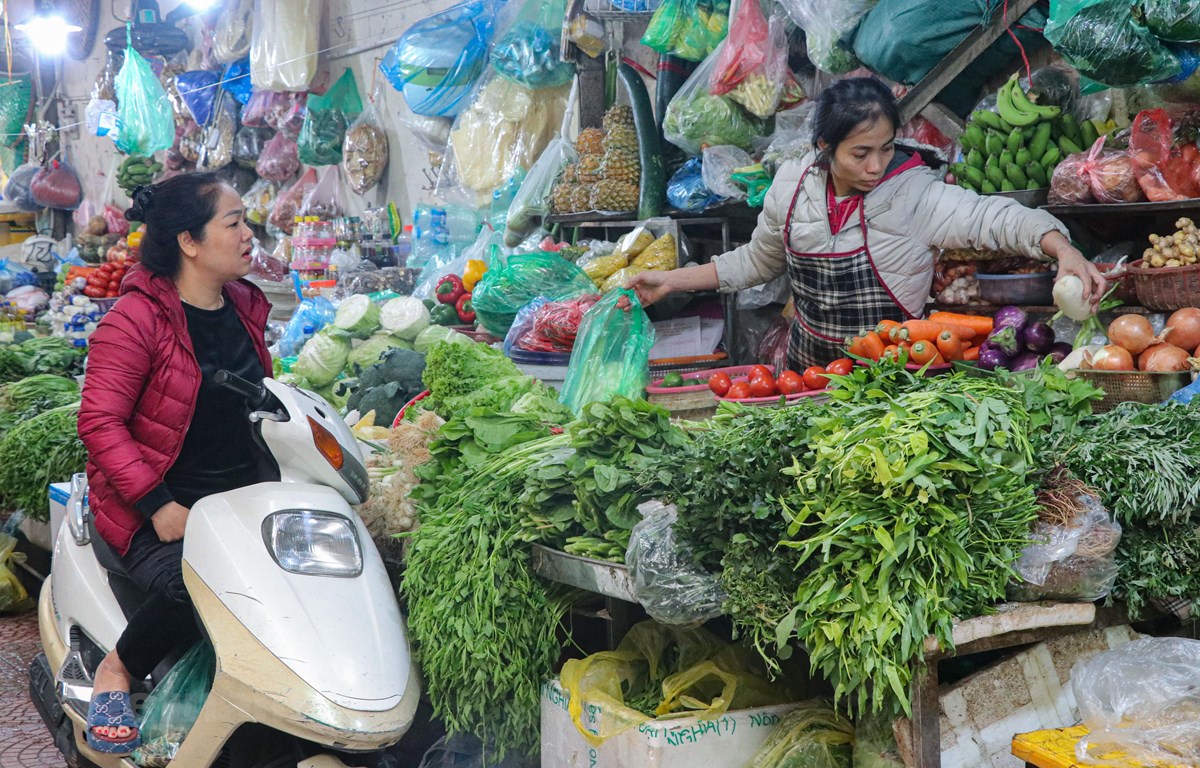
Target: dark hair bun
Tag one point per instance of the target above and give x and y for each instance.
(143, 198)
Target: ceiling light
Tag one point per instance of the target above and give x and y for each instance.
(48, 33)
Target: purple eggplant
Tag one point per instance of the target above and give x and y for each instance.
(1009, 317)
(991, 359)
(1059, 351)
(1039, 337)
(1024, 361)
(1009, 340)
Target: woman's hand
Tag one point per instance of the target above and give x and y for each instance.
(170, 521)
(1072, 262)
(651, 286)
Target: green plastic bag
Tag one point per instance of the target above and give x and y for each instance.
(612, 352)
(689, 29)
(172, 708)
(511, 284)
(1175, 20)
(324, 129)
(14, 106)
(1104, 41)
(144, 117)
(756, 181)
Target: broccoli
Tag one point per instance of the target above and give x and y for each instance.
(386, 386)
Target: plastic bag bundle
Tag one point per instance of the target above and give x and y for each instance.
(612, 352)
(719, 165)
(1141, 699)
(1073, 561)
(696, 117)
(510, 285)
(17, 191)
(686, 190)
(248, 146)
(529, 52)
(1175, 20)
(1165, 170)
(287, 205)
(173, 706)
(811, 736)
(13, 595)
(143, 112)
(1106, 42)
(265, 265)
(259, 200)
(826, 23)
(1097, 176)
(285, 43)
(365, 150)
(436, 62)
(198, 90)
(752, 68)
(220, 135)
(554, 326)
(232, 31)
(688, 29)
(279, 160)
(288, 118)
(255, 113)
(56, 186)
(325, 200)
(531, 205)
(666, 580)
(325, 125)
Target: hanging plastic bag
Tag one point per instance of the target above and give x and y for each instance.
(696, 117)
(17, 191)
(199, 93)
(752, 67)
(56, 186)
(508, 286)
(325, 125)
(285, 44)
(235, 80)
(219, 136)
(291, 122)
(279, 160)
(172, 707)
(531, 205)
(259, 200)
(1140, 699)
(13, 595)
(719, 164)
(1175, 20)
(287, 205)
(1076, 560)
(248, 145)
(265, 265)
(686, 190)
(612, 352)
(143, 114)
(365, 149)
(232, 32)
(666, 580)
(826, 23)
(529, 51)
(15, 93)
(255, 113)
(688, 29)
(325, 200)
(436, 62)
(1100, 176)
(1105, 42)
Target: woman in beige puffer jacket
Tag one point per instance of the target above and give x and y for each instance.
(854, 226)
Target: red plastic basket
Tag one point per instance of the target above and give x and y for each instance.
(400, 416)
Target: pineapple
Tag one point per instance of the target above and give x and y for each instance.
(570, 174)
(563, 198)
(618, 114)
(621, 139)
(615, 196)
(622, 166)
(589, 169)
(590, 142)
(581, 198)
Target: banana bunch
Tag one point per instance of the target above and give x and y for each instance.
(137, 171)
(1018, 146)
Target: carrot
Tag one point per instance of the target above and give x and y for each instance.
(873, 345)
(893, 333)
(950, 345)
(971, 354)
(980, 324)
(923, 352)
(890, 352)
(885, 327)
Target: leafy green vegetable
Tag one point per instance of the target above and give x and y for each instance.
(24, 399)
(49, 354)
(1103, 40)
(323, 357)
(455, 370)
(434, 335)
(386, 386)
(358, 316)
(1173, 20)
(42, 450)
(369, 352)
(498, 395)
(707, 119)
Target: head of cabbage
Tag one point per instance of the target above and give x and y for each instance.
(323, 357)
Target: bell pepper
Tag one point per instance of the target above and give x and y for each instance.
(444, 314)
(473, 274)
(465, 309)
(448, 289)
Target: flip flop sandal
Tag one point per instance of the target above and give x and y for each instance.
(112, 709)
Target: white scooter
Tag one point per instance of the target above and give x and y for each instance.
(313, 667)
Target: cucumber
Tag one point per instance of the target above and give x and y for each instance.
(652, 191)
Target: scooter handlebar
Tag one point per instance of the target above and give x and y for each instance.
(256, 394)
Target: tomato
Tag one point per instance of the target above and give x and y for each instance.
(791, 383)
(720, 384)
(814, 378)
(758, 372)
(739, 391)
(92, 292)
(763, 387)
(840, 367)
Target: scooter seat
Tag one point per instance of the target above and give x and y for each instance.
(129, 595)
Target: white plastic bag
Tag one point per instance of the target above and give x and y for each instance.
(232, 32)
(1076, 561)
(825, 23)
(285, 44)
(719, 163)
(695, 117)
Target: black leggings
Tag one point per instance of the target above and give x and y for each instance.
(166, 620)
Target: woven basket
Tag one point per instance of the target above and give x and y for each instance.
(1133, 386)
(1166, 288)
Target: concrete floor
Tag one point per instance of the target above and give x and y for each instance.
(24, 740)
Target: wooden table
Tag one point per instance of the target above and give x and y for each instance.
(1055, 748)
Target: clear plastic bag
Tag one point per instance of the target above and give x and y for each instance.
(365, 149)
(718, 165)
(287, 205)
(279, 160)
(219, 136)
(1105, 42)
(143, 112)
(232, 31)
(325, 200)
(1075, 561)
(1175, 20)
(875, 743)
(689, 29)
(529, 51)
(285, 43)
(752, 68)
(811, 736)
(1141, 700)
(695, 117)
(531, 205)
(255, 113)
(666, 580)
(248, 146)
(13, 595)
(290, 120)
(328, 116)
(199, 93)
(56, 186)
(511, 284)
(612, 352)
(315, 312)
(173, 706)
(686, 190)
(424, 51)
(264, 264)
(1097, 176)
(17, 191)
(826, 23)
(259, 200)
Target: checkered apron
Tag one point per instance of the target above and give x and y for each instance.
(837, 295)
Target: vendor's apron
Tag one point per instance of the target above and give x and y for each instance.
(837, 294)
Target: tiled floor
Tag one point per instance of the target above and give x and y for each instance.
(24, 740)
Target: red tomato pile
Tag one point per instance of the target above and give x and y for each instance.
(759, 381)
(105, 282)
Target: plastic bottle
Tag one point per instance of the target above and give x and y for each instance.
(404, 246)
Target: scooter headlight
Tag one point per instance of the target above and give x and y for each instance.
(313, 543)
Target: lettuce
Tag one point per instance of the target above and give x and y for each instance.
(323, 358)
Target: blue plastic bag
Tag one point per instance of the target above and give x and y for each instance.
(144, 117)
(1185, 395)
(523, 322)
(686, 190)
(198, 89)
(236, 80)
(316, 313)
(436, 62)
(529, 52)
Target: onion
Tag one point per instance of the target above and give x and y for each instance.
(1183, 328)
(1132, 332)
(1112, 358)
(1163, 358)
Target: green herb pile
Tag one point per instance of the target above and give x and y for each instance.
(49, 354)
(42, 450)
(24, 399)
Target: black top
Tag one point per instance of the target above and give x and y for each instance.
(219, 452)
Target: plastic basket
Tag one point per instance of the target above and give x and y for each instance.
(1166, 288)
(104, 304)
(1133, 386)
(697, 402)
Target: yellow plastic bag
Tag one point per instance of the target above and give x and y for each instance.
(13, 596)
(712, 678)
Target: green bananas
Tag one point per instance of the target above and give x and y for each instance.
(137, 171)
(1015, 107)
